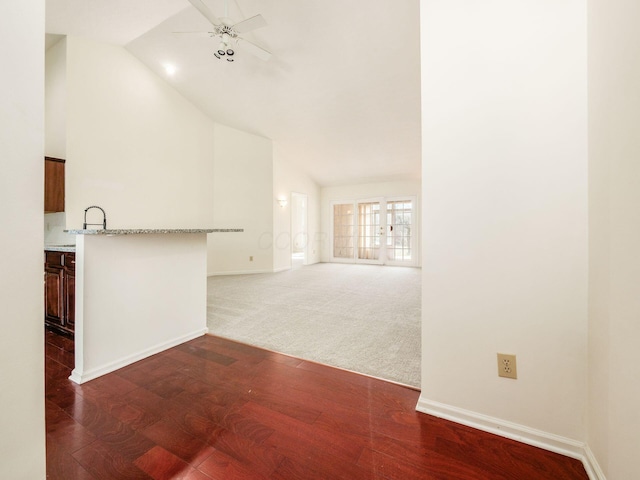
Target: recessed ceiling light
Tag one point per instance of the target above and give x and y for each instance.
(170, 69)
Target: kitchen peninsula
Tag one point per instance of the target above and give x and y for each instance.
(138, 292)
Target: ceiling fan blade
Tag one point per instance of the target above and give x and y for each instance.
(254, 49)
(204, 10)
(250, 24)
(199, 33)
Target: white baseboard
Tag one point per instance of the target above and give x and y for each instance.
(530, 436)
(238, 272)
(252, 272)
(592, 466)
(82, 377)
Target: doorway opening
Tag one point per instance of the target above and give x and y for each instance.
(299, 232)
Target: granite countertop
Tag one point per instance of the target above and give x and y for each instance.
(141, 231)
(60, 248)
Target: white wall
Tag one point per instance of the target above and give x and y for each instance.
(358, 192)
(243, 189)
(22, 436)
(134, 145)
(55, 225)
(55, 95)
(614, 236)
(288, 179)
(505, 215)
(151, 159)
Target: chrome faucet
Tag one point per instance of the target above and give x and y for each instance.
(104, 217)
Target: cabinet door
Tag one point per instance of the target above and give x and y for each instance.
(70, 292)
(53, 295)
(53, 185)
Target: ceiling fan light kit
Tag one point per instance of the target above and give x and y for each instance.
(228, 32)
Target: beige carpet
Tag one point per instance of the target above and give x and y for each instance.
(364, 318)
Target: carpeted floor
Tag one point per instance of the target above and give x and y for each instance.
(364, 318)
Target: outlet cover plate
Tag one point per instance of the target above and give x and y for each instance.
(507, 366)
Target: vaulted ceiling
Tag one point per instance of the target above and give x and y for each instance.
(340, 95)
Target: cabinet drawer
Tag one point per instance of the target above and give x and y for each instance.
(65, 260)
(54, 259)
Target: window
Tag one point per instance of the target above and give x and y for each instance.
(343, 231)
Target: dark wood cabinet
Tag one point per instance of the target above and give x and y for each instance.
(70, 297)
(53, 185)
(60, 291)
(53, 285)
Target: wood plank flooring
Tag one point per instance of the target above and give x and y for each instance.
(216, 409)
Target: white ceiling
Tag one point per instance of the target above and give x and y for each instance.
(340, 96)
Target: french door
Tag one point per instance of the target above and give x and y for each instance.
(378, 231)
(369, 232)
(400, 232)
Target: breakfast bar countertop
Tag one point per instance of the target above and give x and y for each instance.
(142, 231)
(60, 248)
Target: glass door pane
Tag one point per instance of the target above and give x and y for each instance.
(343, 231)
(369, 231)
(399, 231)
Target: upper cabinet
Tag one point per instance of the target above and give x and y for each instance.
(53, 185)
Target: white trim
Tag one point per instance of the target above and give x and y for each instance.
(83, 377)
(592, 466)
(341, 260)
(240, 272)
(253, 272)
(366, 261)
(530, 436)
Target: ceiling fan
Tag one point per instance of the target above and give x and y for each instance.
(229, 33)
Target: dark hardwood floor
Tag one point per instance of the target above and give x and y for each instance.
(216, 409)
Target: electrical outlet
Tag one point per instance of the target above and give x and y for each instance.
(251, 258)
(507, 366)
